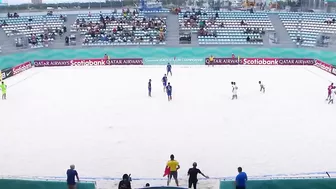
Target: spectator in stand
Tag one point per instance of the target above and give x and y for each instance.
(125, 183)
(71, 174)
(192, 173)
(241, 179)
(173, 167)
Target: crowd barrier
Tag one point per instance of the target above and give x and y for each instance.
(161, 55)
(9, 72)
(285, 184)
(38, 184)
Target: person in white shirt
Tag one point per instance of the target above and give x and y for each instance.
(332, 96)
(234, 90)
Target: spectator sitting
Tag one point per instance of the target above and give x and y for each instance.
(242, 22)
(248, 38)
(147, 185)
(125, 183)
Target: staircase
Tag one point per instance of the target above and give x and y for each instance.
(172, 36)
(60, 41)
(281, 32)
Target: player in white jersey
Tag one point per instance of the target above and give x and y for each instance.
(234, 90)
(262, 87)
(332, 96)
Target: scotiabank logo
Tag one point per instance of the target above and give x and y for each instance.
(21, 68)
(323, 66)
(260, 61)
(98, 62)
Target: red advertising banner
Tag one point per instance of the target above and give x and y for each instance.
(124, 61)
(21, 68)
(49, 63)
(296, 61)
(334, 70)
(324, 66)
(89, 62)
(223, 61)
(261, 61)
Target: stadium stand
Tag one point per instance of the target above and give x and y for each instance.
(306, 29)
(127, 28)
(38, 30)
(234, 28)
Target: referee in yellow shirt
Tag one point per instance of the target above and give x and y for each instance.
(173, 166)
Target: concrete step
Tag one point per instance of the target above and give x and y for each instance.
(280, 30)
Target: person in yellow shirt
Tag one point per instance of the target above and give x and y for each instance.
(173, 167)
(3, 90)
(211, 60)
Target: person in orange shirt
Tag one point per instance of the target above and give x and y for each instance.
(173, 167)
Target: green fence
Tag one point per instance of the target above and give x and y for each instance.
(32, 184)
(284, 184)
(154, 56)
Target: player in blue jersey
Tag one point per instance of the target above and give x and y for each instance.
(150, 88)
(164, 82)
(169, 90)
(169, 69)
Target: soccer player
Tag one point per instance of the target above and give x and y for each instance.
(71, 174)
(332, 96)
(169, 69)
(262, 87)
(150, 88)
(192, 173)
(169, 90)
(174, 167)
(330, 89)
(3, 90)
(164, 82)
(234, 90)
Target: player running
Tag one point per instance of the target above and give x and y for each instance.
(164, 82)
(174, 166)
(234, 90)
(169, 90)
(169, 69)
(150, 88)
(262, 87)
(330, 90)
(192, 173)
(3, 90)
(332, 96)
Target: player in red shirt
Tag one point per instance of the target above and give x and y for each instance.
(330, 89)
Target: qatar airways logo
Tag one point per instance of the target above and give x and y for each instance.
(323, 66)
(260, 61)
(21, 68)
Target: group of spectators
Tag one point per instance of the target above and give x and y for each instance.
(128, 27)
(192, 20)
(37, 32)
(12, 15)
(330, 21)
(171, 172)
